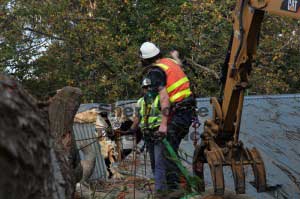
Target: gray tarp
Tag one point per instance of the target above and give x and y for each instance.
(272, 125)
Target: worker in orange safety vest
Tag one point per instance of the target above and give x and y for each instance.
(177, 105)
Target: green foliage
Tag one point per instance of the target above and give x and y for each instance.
(50, 44)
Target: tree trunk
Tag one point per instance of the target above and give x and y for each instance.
(62, 109)
(38, 158)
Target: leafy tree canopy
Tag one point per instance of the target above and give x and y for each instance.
(94, 45)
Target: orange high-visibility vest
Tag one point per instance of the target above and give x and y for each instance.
(178, 85)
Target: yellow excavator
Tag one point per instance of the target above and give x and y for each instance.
(220, 145)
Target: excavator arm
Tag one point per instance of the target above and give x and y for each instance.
(220, 145)
(248, 16)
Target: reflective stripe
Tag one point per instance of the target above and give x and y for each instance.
(156, 103)
(165, 67)
(153, 122)
(154, 117)
(139, 102)
(177, 84)
(173, 60)
(162, 66)
(186, 93)
(171, 85)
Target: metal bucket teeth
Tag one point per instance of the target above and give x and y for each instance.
(238, 177)
(198, 171)
(198, 167)
(259, 172)
(216, 169)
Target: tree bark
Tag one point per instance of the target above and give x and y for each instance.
(38, 158)
(62, 109)
(24, 145)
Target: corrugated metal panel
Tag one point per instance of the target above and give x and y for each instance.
(86, 133)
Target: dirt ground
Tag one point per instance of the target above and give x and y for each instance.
(139, 187)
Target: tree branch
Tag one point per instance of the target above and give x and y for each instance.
(87, 19)
(204, 68)
(43, 33)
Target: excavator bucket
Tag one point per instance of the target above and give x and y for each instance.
(235, 156)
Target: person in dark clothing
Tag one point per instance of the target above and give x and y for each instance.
(177, 105)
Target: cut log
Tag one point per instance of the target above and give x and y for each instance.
(62, 109)
(38, 158)
(25, 160)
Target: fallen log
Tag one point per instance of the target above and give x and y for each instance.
(38, 157)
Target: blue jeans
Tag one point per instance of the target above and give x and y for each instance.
(166, 171)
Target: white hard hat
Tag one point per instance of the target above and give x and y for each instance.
(149, 50)
(146, 82)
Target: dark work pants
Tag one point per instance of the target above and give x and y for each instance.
(166, 171)
(149, 141)
(150, 149)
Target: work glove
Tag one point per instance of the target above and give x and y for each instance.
(110, 133)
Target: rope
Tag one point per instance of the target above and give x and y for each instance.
(134, 162)
(86, 145)
(113, 189)
(101, 136)
(145, 160)
(196, 124)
